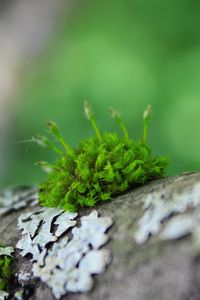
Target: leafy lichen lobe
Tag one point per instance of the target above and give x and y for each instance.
(101, 167)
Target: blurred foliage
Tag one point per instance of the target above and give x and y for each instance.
(124, 54)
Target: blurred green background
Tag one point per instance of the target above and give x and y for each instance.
(124, 54)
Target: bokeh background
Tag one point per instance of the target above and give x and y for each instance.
(124, 54)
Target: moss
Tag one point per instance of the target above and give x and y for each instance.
(99, 168)
(5, 271)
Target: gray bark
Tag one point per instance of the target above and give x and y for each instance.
(156, 270)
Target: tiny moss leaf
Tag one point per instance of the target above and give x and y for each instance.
(5, 266)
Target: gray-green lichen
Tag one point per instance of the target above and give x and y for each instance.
(23, 278)
(3, 295)
(37, 233)
(183, 225)
(68, 264)
(6, 251)
(165, 215)
(19, 295)
(17, 198)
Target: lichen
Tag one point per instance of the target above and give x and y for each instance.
(19, 295)
(67, 264)
(17, 198)
(3, 295)
(179, 227)
(37, 230)
(22, 278)
(166, 216)
(6, 251)
(100, 168)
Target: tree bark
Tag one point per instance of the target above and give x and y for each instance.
(155, 270)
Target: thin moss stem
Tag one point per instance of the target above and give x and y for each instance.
(96, 129)
(119, 121)
(146, 118)
(145, 132)
(90, 116)
(43, 141)
(47, 167)
(56, 132)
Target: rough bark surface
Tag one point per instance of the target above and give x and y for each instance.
(156, 270)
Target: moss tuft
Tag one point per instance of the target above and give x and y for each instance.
(101, 167)
(5, 271)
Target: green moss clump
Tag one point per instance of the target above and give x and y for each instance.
(101, 167)
(5, 271)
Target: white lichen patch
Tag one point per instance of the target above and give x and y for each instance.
(6, 251)
(18, 295)
(70, 262)
(22, 278)
(179, 227)
(37, 230)
(17, 198)
(3, 295)
(183, 225)
(157, 210)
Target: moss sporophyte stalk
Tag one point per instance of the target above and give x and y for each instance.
(101, 167)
